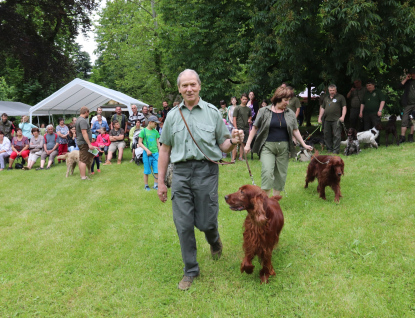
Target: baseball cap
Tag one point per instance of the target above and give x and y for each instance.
(154, 118)
(370, 81)
(94, 136)
(412, 70)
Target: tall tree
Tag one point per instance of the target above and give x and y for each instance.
(130, 57)
(39, 36)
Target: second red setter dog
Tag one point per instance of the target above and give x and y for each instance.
(328, 171)
(263, 225)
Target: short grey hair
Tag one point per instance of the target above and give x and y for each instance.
(332, 86)
(190, 71)
(47, 127)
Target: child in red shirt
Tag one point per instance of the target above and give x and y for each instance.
(103, 142)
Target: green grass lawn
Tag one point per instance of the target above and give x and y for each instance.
(108, 248)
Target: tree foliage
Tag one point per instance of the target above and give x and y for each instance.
(37, 39)
(238, 45)
(130, 58)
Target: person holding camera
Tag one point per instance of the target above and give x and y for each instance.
(408, 102)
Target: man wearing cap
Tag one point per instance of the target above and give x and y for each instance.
(334, 109)
(408, 102)
(356, 94)
(372, 105)
(6, 126)
(194, 190)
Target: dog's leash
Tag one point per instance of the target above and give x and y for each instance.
(309, 136)
(323, 163)
(249, 169)
(344, 128)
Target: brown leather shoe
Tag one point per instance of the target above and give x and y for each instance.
(186, 282)
(216, 249)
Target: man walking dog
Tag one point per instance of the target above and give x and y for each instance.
(194, 191)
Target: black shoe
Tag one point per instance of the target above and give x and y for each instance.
(411, 138)
(39, 168)
(10, 168)
(402, 139)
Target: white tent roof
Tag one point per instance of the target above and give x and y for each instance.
(70, 98)
(305, 93)
(16, 109)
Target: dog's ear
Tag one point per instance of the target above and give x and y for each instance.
(260, 216)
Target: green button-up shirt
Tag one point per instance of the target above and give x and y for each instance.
(207, 127)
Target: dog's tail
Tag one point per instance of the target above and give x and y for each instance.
(62, 157)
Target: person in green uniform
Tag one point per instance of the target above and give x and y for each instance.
(242, 118)
(334, 110)
(408, 102)
(294, 104)
(194, 190)
(372, 105)
(356, 94)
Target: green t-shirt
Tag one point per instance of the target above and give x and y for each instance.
(294, 104)
(150, 139)
(242, 115)
(372, 101)
(333, 107)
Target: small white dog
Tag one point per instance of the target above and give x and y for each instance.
(369, 136)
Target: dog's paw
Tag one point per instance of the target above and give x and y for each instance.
(247, 268)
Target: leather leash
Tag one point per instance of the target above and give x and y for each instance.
(216, 162)
(249, 169)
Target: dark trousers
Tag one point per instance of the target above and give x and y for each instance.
(354, 118)
(194, 195)
(370, 120)
(96, 160)
(332, 135)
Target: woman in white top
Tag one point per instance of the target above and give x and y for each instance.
(5, 149)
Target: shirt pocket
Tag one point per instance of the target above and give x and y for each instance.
(178, 133)
(205, 134)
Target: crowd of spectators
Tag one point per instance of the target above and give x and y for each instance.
(26, 143)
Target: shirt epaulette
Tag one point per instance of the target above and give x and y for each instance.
(213, 107)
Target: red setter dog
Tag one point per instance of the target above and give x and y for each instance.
(328, 171)
(263, 225)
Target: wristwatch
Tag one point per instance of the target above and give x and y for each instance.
(230, 139)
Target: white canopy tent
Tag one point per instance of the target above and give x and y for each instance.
(16, 109)
(70, 98)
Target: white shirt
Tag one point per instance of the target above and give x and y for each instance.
(6, 145)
